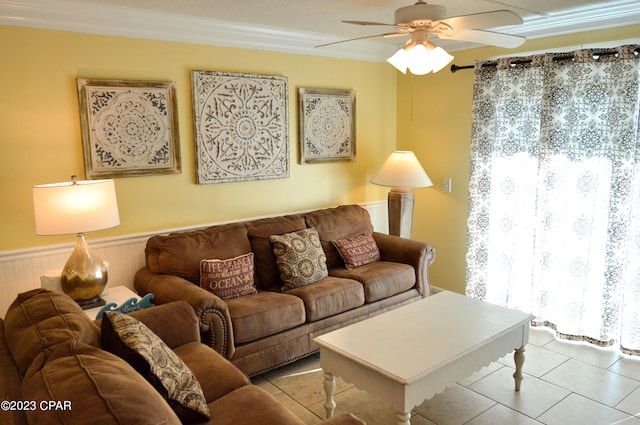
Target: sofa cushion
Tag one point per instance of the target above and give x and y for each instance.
(228, 278)
(381, 279)
(217, 376)
(299, 257)
(101, 388)
(40, 319)
(329, 297)
(180, 253)
(358, 251)
(251, 405)
(265, 313)
(342, 222)
(131, 340)
(175, 322)
(267, 272)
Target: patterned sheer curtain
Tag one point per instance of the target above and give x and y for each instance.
(554, 203)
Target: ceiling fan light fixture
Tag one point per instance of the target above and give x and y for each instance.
(400, 60)
(420, 58)
(439, 58)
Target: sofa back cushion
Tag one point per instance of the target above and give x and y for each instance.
(343, 222)
(93, 386)
(10, 383)
(39, 319)
(267, 271)
(180, 253)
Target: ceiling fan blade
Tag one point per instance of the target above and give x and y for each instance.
(486, 37)
(390, 34)
(395, 34)
(369, 23)
(477, 21)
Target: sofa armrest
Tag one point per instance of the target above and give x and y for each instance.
(417, 254)
(212, 312)
(343, 419)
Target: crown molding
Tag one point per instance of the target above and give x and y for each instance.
(589, 18)
(148, 24)
(77, 16)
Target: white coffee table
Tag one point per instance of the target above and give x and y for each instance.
(409, 354)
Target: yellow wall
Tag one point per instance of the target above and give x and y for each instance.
(434, 120)
(40, 139)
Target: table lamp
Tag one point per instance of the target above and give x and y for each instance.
(78, 207)
(401, 171)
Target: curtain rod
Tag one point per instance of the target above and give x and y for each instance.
(596, 55)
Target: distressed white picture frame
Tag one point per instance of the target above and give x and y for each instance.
(327, 125)
(129, 128)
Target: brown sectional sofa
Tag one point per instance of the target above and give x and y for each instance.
(272, 327)
(54, 371)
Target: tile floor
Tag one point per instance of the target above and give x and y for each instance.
(565, 383)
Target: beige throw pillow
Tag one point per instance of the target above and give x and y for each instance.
(300, 258)
(228, 278)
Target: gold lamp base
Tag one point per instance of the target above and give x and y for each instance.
(84, 276)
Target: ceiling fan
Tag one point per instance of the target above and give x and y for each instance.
(421, 20)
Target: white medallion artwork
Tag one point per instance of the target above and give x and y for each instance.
(129, 128)
(327, 127)
(241, 126)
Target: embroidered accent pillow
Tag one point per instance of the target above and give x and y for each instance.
(134, 342)
(228, 278)
(299, 257)
(358, 251)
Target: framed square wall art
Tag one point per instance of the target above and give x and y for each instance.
(241, 126)
(327, 125)
(129, 128)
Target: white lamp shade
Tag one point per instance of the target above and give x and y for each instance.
(400, 60)
(420, 58)
(403, 170)
(439, 58)
(64, 208)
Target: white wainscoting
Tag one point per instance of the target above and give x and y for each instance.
(20, 270)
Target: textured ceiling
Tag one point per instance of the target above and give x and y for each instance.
(297, 26)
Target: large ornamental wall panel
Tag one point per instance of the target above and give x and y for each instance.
(129, 128)
(241, 126)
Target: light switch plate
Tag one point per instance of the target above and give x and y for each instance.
(447, 185)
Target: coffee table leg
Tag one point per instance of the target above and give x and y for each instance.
(518, 358)
(329, 389)
(404, 419)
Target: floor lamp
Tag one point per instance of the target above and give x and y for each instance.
(401, 171)
(78, 207)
